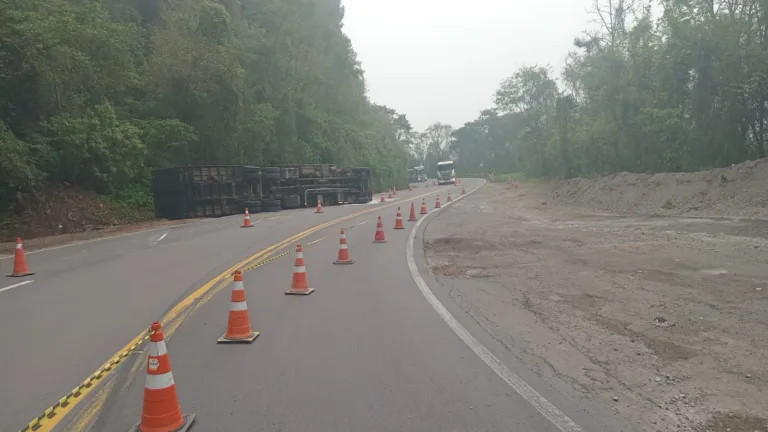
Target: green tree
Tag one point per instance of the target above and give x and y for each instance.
(684, 92)
(99, 92)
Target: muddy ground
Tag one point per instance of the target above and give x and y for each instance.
(662, 318)
(66, 209)
(61, 214)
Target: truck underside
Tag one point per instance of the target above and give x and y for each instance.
(221, 190)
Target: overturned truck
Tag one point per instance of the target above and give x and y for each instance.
(219, 190)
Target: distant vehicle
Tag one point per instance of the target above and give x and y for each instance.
(417, 174)
(221, 190)
(446, 173)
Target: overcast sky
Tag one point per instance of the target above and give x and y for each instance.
(442, 60)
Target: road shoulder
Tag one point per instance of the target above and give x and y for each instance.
(565, 412)
(572, 295)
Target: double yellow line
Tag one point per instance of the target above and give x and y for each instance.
(48, 424)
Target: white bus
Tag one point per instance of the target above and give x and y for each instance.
(446, 174)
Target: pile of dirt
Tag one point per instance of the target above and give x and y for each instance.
(737, 191)
(65, 210)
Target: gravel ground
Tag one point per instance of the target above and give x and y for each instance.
(664, 318)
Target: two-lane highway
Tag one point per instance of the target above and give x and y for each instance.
(365, 352)
(87, 301)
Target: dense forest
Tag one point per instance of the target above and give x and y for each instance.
(679, 88)
(96, 93)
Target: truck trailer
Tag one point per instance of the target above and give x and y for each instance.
(417, 174)
(196, 191)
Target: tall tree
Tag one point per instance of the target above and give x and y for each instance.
(98, 92)
(687, 91)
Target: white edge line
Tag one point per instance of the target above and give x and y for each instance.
(543, 406)
(159, 239)
(16, 285)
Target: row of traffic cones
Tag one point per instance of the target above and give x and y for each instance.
(161, 411)
(21, 268)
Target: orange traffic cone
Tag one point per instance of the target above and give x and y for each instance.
(343, 251)
(394, 190)
(412, 217)
(161, 411)
(382, 197)
(462, 190)
(379, 238)
(319, 207)
(449, 197)
(20, 268)
(299, 284)
(399, 220)
(424, 206)
(247, 222)
(239, 324)
(390, 194)
(437, 202)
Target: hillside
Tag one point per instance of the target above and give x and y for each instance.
(96, 93)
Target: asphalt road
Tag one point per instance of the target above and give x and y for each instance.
(365, 352)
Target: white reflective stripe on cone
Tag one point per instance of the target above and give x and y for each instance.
(300, 269)
(159, 382)
(238, 306)
(18, 245)
(157, 349)
(299, 254)
(343, 246)
(238, 286)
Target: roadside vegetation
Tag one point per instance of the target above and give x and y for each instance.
(676, 86)
(96, 93)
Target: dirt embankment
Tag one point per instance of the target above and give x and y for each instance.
(661, 319)
(65, 214)
(739, 191)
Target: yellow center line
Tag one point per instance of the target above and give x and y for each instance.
(206, 291)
